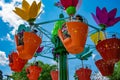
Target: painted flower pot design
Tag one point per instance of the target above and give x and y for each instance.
(33, 72)
(83, 73)
(78, 31)
(104, 68)
(16, 64)
(31, 43)
(54, 75)
(109, 49)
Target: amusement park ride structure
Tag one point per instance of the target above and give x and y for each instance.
(60, 46)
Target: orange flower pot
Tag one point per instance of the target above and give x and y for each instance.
(83, 74)
(16, 64)
(109, 49)
(31, 43)
(33, 72)
(78, 34)
(54, 75)
(104, 68)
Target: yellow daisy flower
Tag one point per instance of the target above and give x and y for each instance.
(28, 12)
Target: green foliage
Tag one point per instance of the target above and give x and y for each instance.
(46, 68)
(20, 75)
(58, 25)
(45, 74)
(116, 74)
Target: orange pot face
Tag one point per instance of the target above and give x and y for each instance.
(31, 43)
(104, 68)
(33, 72)
(54, 75)
(16, 64)
(109, 49)
(83, 74)
(78, 34)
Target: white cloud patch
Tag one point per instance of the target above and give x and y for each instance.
(93, 56)
(53, 62)
(8, 16)
(8, 38)
(98, 76)
(3, 58)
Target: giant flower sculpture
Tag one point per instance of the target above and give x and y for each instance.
(70, 6)
(28, 12)
(104, 18)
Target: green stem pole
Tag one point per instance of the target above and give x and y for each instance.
(82, 64)
(97, 29)
(41, 23)
(63, 67)
(44, 33)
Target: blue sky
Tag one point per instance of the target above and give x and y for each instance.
(9, 23)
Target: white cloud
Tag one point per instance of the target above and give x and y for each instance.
(7, 38)
(53, 62)
(93, 56)
(8, 16)
(3, 58)
(98, 76)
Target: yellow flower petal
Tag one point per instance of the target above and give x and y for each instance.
(21, 13)
(39, 6)
(33, 10)
(25, 6)
(97, 36)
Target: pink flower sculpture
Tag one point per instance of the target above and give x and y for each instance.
(67, 3)
(59, 5)
(104, 18)
(39, 49)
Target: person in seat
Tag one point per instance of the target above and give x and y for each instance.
(78, 18)
(65, 31)
(20, 38)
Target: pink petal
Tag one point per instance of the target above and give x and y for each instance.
(112, 13)
(39, 49)
(67, 3)
(112, 22)
(79, 4)
(64, 3)
(104, 9)
(75, 2)
(95, 18)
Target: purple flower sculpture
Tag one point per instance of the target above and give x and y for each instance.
(104, 18)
